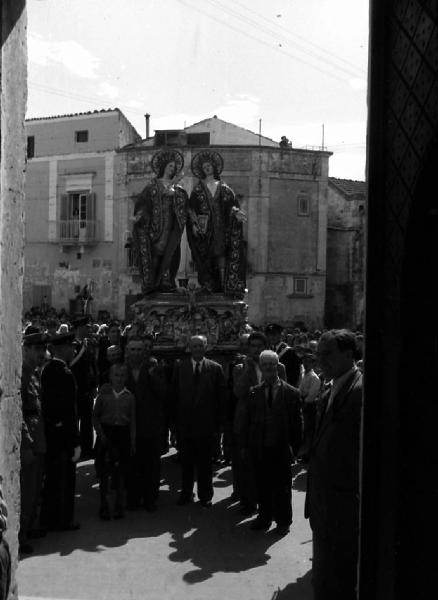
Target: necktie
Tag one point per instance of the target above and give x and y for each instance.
(197, 373)
(270, 396)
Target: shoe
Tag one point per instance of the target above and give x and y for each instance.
(282, 530)
(183, 499)
(206, 503)
(37, 533)
(258, 525)
(25, 548)
(247, 511)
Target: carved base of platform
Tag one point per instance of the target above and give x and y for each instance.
(174, 317)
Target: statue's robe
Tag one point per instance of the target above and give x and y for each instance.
(222, 237)
(157, 235)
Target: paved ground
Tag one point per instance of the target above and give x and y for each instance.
(177, 553)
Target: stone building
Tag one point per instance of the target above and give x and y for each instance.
(71, 208)
(283, 191)
(344, 306)
(402, 218)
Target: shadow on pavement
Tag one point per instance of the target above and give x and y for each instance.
(301, 589)
(192, 529)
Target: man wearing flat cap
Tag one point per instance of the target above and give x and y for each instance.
(33, 440)
(83, 366)
(286, 354)
(62, 436)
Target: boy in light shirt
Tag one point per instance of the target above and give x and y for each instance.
(114, 422)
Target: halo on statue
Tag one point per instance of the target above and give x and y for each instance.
(167, 156)
(206, 156)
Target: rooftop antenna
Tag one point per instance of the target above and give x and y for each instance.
(323, 136)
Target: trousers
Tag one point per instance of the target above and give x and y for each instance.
(274, 486)
(196, 459)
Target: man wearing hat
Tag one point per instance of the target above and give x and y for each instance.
(33, 441)
(62, 436)
(286, 354)
(83, 366)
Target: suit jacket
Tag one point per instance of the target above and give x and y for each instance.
(332, 500)
(287, 417)
(83, 367)
(58, 403)
(198, 409)
(291, 361)
(245, 378)
(33, 435)
(150, 397)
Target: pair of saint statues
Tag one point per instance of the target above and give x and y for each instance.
(213, 219)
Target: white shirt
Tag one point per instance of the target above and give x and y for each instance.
(197, 362)
(310, 386)
(258, 372)
(338, 383)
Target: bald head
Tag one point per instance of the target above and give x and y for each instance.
(198, 346)
(114, 354)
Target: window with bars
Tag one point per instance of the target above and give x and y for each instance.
(78, 216)
(30, 146)
(300, 286)
(81, 136)
(303, 205)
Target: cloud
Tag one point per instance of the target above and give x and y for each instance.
(135, 104)
(240, 110)
(72, 55)
(108, 90)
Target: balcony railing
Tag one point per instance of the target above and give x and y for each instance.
(75, 231)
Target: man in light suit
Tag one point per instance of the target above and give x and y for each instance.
(332, 501)
(199, 397)
(272, 434)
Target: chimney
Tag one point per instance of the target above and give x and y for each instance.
(147, 117)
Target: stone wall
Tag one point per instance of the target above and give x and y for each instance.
(13, 104)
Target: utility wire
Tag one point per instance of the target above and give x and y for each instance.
(303, 39)
(353, 72)
(269, 44)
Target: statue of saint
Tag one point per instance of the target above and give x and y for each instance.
(159, 219)
(215, 228)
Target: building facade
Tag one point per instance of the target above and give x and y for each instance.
(284, 192)
(71, 208)
(345, 253)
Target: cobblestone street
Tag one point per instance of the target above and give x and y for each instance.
(175, 553)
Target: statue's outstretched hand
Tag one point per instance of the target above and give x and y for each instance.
(239, 215)
(138, 217)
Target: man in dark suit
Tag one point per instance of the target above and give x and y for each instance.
(83, 366)
(58, 402)
(147, 382)
(247, 375)
(272, 433)
(286, 354)
(33, 438)
(199, 397)
(332, 501)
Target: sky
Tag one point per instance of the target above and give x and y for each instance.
(299, 66)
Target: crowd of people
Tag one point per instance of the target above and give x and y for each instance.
(96, 391)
